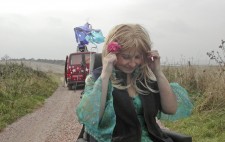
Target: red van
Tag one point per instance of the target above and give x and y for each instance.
(78, 65)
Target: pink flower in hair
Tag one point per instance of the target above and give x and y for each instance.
(113, 47)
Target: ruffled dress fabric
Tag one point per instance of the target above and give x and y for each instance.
(89, 107)
(88, 113)
(184, 104)
(102, 129)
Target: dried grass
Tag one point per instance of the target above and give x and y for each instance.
(208, 81)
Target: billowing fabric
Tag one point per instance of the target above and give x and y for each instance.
(81, 32)
(95, 37)
(85, 34)
(88, 111)
(184, 107)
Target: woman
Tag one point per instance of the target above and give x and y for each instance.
(123, 97)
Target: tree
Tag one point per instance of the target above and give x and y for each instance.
(5, 58)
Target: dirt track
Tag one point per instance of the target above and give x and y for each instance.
(54, 122)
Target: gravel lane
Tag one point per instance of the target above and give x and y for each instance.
(54, 122)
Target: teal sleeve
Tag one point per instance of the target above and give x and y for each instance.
(184, 104)
(89, 107)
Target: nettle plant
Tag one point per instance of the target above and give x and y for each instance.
(218, 56)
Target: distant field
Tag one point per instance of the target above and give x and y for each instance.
(41, 66)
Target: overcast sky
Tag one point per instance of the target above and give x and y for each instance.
(181, 30)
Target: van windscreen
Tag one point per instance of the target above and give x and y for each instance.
(77, 59)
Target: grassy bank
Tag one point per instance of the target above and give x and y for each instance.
(22, 89)
(205, 85)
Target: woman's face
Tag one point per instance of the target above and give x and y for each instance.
(127, 62)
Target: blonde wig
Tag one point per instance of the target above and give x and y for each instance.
(132, 37)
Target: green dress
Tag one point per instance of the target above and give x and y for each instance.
(89, 107)
(88, 112)
(139, 110)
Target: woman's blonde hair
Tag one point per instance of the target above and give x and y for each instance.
(132, 37)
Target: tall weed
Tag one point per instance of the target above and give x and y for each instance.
(205, 85)
(206, 81)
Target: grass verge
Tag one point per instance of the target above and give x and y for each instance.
(205, 85)
(203, 127)
(22, 90)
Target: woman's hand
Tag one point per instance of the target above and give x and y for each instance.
(167, 97)
(154, 62)
(108, 64)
